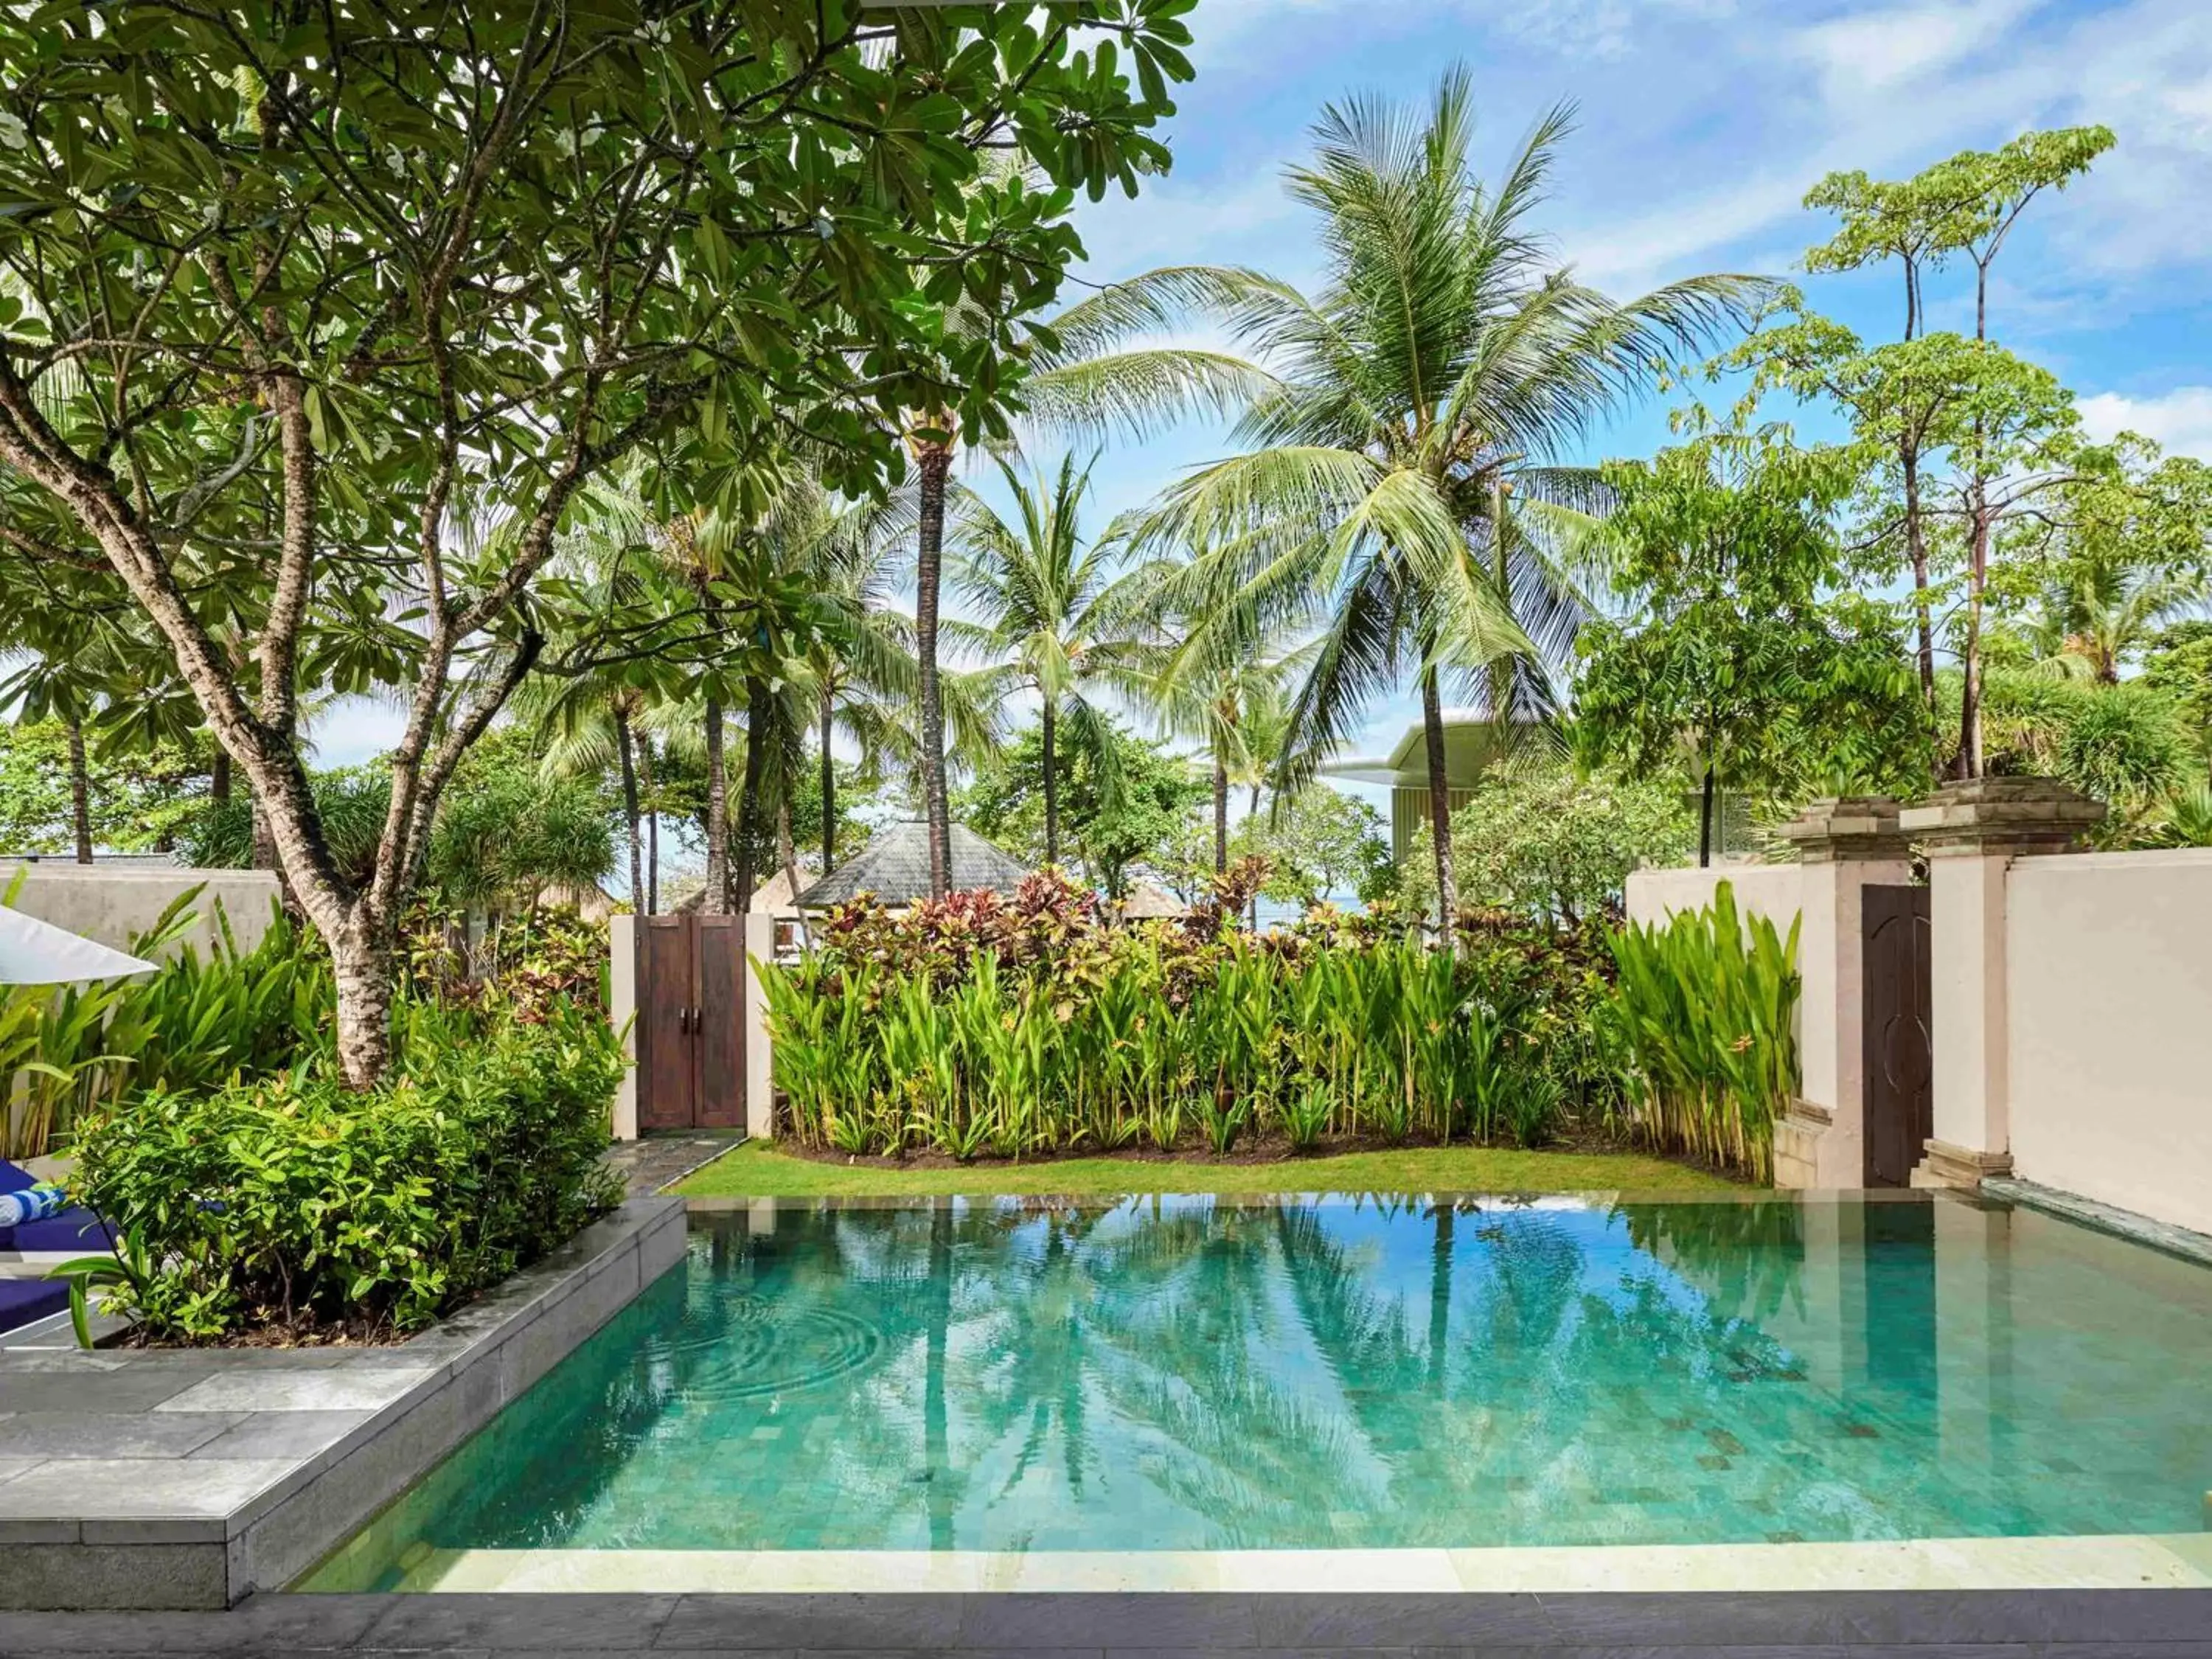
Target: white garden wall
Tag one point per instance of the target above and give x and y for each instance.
(2108, 969)
(1775, 891)
(110, 903)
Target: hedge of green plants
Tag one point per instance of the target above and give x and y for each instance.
(1026, 1026)
(1704, 1006)
(284, 1207)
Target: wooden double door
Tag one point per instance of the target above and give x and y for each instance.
(690, 1025)
(1900, 1054)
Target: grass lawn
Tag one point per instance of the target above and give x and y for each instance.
(755, 1171)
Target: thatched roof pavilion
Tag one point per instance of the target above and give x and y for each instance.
(895, 867)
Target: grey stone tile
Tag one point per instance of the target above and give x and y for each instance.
(756, 1622)
(142, 1488)
(112, 1576)
(12, 1466)
(549, 1622)
(1145, 1621)
(282, 1434)
(110, 1434)
(135, 1388)
(352, 1388)
(259, 1624)
(1441, 1620)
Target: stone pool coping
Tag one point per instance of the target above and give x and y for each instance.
(2117, 1562)
(189, 1478)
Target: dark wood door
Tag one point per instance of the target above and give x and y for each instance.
(719, 1035)
(690, 1024)
(1900, 1106)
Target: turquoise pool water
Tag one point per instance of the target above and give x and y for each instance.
(1356, 1372)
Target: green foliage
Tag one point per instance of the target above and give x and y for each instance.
(141, 801)
(291, 1205)
(193, 1023)
(2128, 744)
(1023, 1027)
(1548, 841)
(1742, 657)
(1123, 801)
(1703, 1006)
(2179, 663)
(1320, 843)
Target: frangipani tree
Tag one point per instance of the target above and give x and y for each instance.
(323, 272)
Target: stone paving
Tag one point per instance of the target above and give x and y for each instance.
(182, 1478)
(2029, 1624)
(654, 1162)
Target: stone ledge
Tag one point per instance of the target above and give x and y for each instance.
(202, 1530)
(1958, 1169)
(2161, 1235)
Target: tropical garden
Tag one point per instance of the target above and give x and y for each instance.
(684, 426)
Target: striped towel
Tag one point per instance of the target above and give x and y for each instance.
(31, 1204)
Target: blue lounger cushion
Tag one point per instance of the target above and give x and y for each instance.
(73, 1228)
(23, 1300)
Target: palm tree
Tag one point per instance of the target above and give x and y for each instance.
(1053, 611)
(1085, 380)
(1236, 704)
(2100, 613)
(1404, 490)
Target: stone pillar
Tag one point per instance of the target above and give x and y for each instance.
(622, 1014)
(1971, 832)
(760, 1087)
(1845, 843)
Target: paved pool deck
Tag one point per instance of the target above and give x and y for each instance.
(1818, 1625)
(188, 1478)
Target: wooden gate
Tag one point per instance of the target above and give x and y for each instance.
(691, 1029)
(1900, 1106)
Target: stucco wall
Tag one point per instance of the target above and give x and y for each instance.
(2109, 962)
(1772, 890)
(110, 904)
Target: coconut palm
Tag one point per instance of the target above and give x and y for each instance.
(1405, 489)
(1053, 616)
(2101, 614)
(1085, 381)
(1236, 704)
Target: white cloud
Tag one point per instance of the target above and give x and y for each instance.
(1881, 50)
(2179, 420)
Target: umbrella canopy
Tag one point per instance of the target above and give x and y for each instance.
(34, 953)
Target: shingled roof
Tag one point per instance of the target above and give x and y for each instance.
(895, 868)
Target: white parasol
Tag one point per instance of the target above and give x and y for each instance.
(34, 953)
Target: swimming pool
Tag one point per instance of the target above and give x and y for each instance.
(1348, 1372)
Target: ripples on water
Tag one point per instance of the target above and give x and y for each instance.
(1360, 1372)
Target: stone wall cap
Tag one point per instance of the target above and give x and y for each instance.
(2004, 811)
(1846, 826)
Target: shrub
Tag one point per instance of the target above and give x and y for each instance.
(1026, 1025)
(286, 1204)
(1704, 1005)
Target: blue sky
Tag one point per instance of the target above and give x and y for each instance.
(1702, 124)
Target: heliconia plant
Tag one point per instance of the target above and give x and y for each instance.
(1705, 1003)
(1028, 1026)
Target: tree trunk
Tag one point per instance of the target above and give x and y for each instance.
(630, 808)
(652, 828)
(362, 962)
(219, 777)
(1220, 818)
(1970, 694)
(716, 902)
(80, 791)
(1705, 819)
(1916, 542)
(1433, 731)
(934, 457)
(749, 793)
(828, 791)
(1047, 722)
